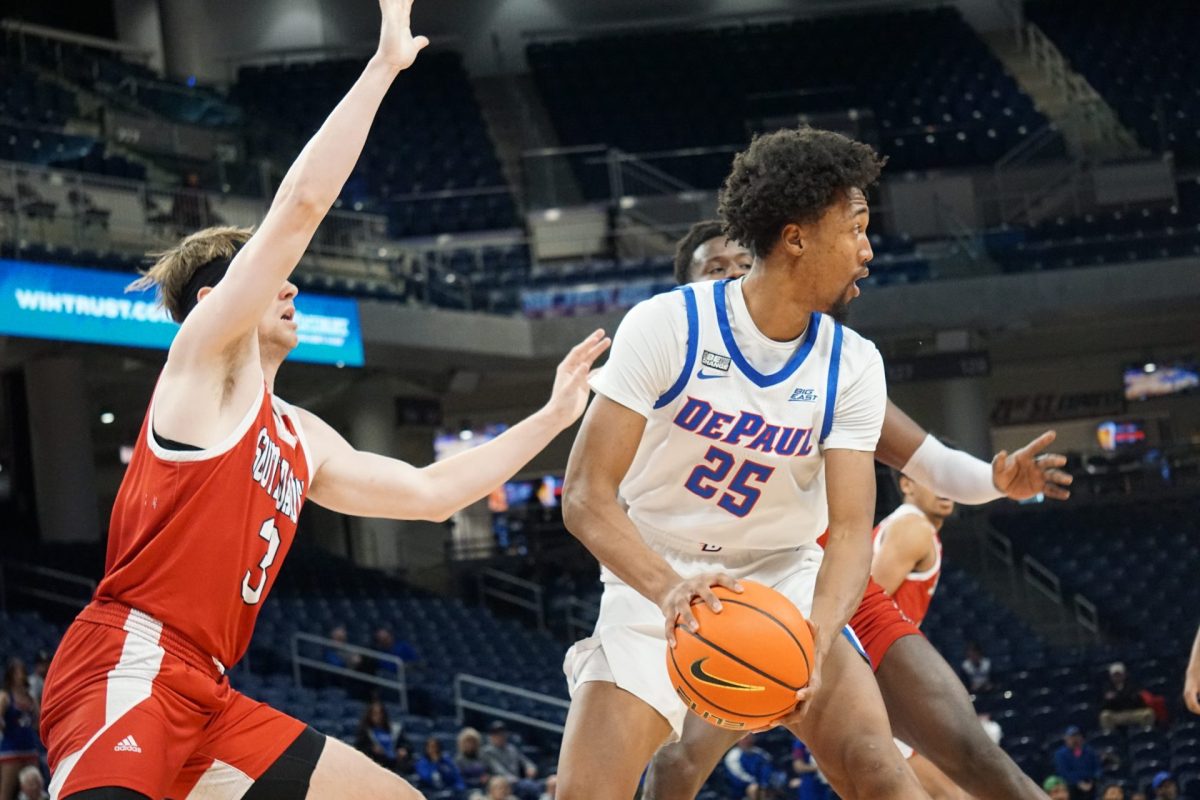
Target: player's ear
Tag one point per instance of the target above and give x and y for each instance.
(792, 239)
(203, 292)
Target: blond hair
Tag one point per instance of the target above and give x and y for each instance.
(467, 735)
(173, 268)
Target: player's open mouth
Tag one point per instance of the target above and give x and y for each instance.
(289, 315)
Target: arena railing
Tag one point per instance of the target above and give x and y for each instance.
(581, 616)
(300, 660)
(527, 595)
(62, 589)
(552, 705)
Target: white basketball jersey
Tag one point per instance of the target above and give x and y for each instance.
(732, 457)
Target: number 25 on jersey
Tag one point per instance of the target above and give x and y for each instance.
(741, 492)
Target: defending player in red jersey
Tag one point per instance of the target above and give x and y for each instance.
(136, 703)
(925, 700)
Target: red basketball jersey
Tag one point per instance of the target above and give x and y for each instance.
(197, 537)
(916, 593)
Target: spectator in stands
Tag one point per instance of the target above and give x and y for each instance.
(436, 771)
(386, 641)
(1113, 791)
(190, 208)
(991, 727)
(977, 669)
(19, 742)
(504, 758)
(498, 788)
(1164, 786)
(1122, 702)
(1056, 788)
(381, 741)
(469, 760)
(37, 678)
(33, 786)
(748, 769)
(1078, 765)
(551, 790)
(340, 657)
(1137, 794)
(806, 779)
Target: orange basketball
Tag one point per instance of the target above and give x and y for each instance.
(743, 667)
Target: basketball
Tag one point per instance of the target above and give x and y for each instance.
(743, 667)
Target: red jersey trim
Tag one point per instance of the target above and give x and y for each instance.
(219, 449)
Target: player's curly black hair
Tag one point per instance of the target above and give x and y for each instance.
(791, 175)
(697, 235)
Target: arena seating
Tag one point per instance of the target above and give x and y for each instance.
(937, 95)
(429, 136)
(1136, 56)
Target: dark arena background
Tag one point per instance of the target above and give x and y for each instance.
(1037, 266)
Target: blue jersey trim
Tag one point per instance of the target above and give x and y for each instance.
(760, 380)
(835, 363)
(852, 637)
(693, 343)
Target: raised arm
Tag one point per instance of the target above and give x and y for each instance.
(308, 190)
(370, 485)
(906, 446)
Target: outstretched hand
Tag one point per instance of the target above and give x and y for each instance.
(569, 396)
(1029, 472)
(397, 46)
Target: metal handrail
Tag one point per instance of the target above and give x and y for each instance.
(39, 591)
(581, 616)
(461, 704)
(1086, 614)
(534, 602)
(1000, 546)
(1040, 577)
(399, 684)
(70, 37)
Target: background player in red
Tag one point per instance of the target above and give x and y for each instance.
(926, 702)
(137, 704)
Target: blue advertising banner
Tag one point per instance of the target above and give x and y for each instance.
(42, 301)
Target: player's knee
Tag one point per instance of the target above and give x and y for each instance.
(875, 766)
(672, 774)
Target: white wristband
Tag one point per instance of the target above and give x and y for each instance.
(952, 473)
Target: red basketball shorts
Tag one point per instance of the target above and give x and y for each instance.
(130, 703)
(879, 623)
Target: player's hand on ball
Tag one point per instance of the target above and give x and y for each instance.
(569, 396)
(1029, 472)
(1191, 692)
(397, 46)
(677, 604)
(805, 695)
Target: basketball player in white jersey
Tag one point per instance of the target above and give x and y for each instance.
(734, 424)
(925, 699)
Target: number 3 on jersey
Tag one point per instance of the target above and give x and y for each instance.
(268, 532)
(739, 496)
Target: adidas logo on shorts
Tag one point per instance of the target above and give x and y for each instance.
(127, 745)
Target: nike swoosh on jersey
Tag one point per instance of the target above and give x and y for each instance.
(704, 376)
(699, 674)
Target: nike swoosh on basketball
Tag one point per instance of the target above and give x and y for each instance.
(704, 376)
(699, 674)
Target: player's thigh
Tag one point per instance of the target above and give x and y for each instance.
(679, 769)
(934, 781)
(924, 697)
(343, 773)
(847, 730)
(610, 736)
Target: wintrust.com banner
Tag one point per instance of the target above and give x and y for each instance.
(43, 301)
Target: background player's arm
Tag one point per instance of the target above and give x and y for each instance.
(307, 192)
(365, 484)
(906, 446)
(1191, 679)
(908, 542)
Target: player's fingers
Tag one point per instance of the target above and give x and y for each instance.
(706, 594)
(1059, 477)
(671, 630)
(1192, 699)
(999, 461)
(728, 581)
(687, 618)
(421, 42)
(1055, 492)
(1049, 461)
(1037, 445)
